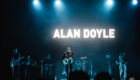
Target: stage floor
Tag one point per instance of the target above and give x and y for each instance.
(62, 77)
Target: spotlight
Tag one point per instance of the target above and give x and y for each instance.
(110, 2)
(134, 1)
(35, 2)
(57, 2)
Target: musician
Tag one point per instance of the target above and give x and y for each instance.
(15, 65)
(28, 65)
(68, 54)
(122, 66)
(48, 65)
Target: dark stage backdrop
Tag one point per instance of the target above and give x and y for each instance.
(30, 30)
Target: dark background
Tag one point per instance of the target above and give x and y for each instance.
(30, 29)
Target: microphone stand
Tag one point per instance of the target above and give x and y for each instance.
(90, 64)
(42, 66)
(109, 66)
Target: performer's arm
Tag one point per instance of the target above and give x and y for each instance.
(12, 61)
(63, 57)
(117, 61)
(126, 61)
(19, 56)
(23, 62)
(72, 55)
(51, 63)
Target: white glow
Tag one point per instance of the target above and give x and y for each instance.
(76, 33)
(109, 5)
(37, 5)
(93, 33)
(110, 2)
(56, 34)
(62, 36)
(99, 32)
(86, 33)
(35, 2)
(104, 34)
(134, 1)
(111, 33)
(57, 2)
(69, 35)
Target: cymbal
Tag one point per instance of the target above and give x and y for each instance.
(83, 58)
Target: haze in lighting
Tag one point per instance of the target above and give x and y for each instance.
(134, 1)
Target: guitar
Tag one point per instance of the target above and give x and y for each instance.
(121, 61)
(31, 62)
(14, 62)
(67, 61)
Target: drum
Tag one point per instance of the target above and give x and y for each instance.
(78, 65)
(84, 63)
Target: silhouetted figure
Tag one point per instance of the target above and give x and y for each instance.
(68, 60)
(28, 65)
(103, 76)
(15, 64)
(121, 61)
(79, 75)
(48, 67)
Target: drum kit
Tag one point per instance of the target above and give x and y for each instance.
(80, 64)
(83, 64)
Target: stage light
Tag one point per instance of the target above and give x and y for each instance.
(57, 2)
(35, 2)
(134, 1)
(110, 2)
(59, 6)
(109, 5)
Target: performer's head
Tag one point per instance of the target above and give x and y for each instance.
(68, 49)
(15, 50)
(28, 57)
(49, 56)
(122, 54)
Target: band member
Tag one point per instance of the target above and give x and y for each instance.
(48, 65)
(122, 66)
(68, 60)
(15, 64)
(28, 64)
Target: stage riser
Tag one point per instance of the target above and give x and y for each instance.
(64, 78)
